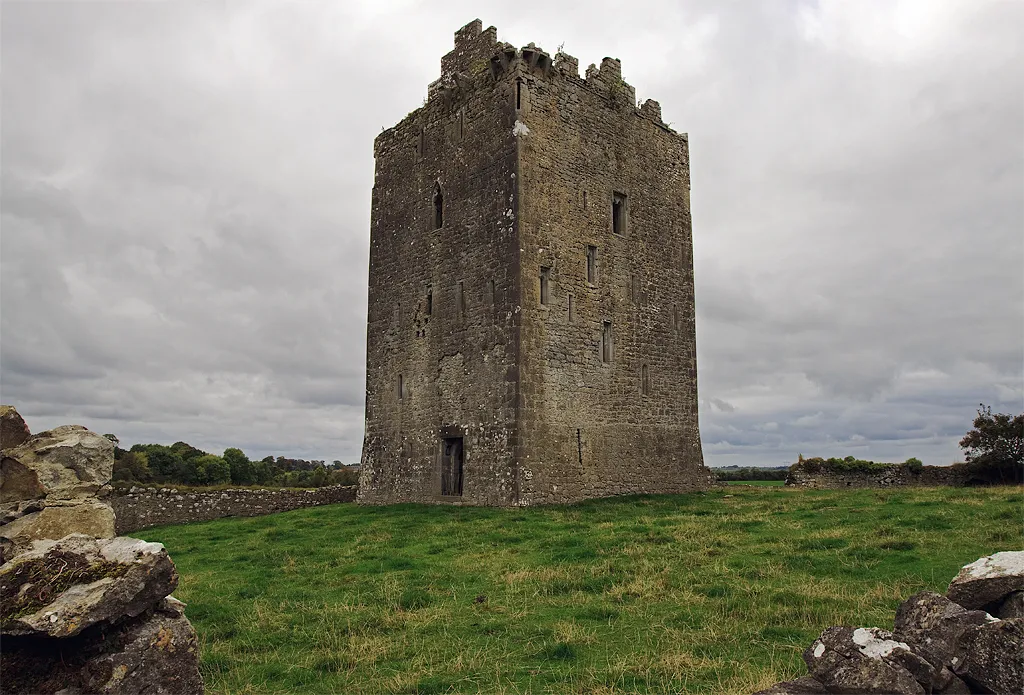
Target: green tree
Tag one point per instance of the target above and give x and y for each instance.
(242, 470)
(211, 470)
(133, 467)
(995, 447)
(166, 465)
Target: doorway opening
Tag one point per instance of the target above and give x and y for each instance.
(451, 466)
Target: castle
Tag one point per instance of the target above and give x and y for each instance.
(530, 332)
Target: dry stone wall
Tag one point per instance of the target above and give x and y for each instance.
(80, 610)
(894, 475)
(139, 508)
(969, 641)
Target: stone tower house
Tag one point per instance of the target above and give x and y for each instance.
(530, 334)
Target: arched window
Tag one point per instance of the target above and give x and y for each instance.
(438, 207)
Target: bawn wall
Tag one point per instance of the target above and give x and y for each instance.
(893, 476)
(140, 508)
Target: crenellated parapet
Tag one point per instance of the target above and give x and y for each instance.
(479, 59)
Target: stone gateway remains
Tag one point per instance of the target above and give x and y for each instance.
(531, 307)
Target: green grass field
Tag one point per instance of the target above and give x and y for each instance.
(704, 593)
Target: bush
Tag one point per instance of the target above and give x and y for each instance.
(913, 465)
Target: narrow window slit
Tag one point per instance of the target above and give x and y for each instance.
(438, 207)
(545, 281)
(619, 216)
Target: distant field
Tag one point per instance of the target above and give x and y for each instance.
(704, 593)
(764, 483)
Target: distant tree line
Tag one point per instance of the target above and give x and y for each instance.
(183, 464)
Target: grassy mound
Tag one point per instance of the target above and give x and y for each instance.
(715, 592)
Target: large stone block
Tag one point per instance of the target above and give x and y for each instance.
(13, 430)
(55, 521)
(931, 624)
(59, 588)
(861, 660)
(992, 656)
(156, 653)
(66, 462)
(987, 581)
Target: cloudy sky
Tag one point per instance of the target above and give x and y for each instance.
(186, 190)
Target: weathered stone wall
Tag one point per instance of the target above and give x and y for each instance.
(140, 508)
(522, 156)
(895, 475)
(443, 308)
(595, 428)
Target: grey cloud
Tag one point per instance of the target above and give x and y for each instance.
(185, 208)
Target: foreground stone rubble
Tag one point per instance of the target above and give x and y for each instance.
(81, 611)
(969, 641)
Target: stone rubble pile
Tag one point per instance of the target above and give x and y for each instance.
(81, 611)
(969, 641)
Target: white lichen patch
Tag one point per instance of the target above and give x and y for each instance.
(819, 649)
(124, 549)
(875, 643)
(520, 129)
(1007, 563)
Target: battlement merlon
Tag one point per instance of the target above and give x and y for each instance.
(474, 46)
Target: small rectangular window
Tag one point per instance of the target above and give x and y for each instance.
(491, 297)
(592, 265)
(606, 342)
(545, 281)
(401, 387)
(620, 216)
(460, 297)
(645, 380)
(572, 310)
(430, 302)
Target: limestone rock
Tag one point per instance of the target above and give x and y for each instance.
(1012, 606)
(59, 588)
(154, 654)
(54, 521)
(13, 430)
(992, 656)
(861, 660)
(798, 686)
(931, 624)
(66, 462)
(988, 580)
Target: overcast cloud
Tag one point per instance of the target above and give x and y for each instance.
(186, 193)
